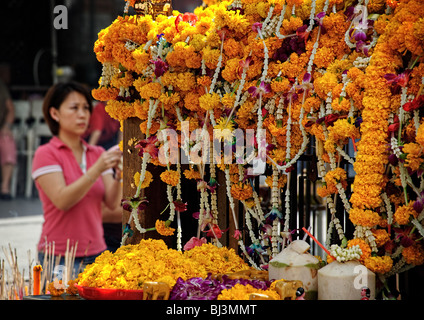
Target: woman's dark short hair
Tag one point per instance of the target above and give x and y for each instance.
(55, 97)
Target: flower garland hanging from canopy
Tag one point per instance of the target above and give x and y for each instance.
(280, 72)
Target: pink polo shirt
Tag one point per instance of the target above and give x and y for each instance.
(83, 222)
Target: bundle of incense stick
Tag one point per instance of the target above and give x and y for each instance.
(51, 260)
(12, 287)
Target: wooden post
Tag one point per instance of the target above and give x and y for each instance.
(155, 193)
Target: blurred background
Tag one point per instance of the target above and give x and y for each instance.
(30, 45)
(34, 55)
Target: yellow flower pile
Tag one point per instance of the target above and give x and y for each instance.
(216, 260)
(243, 292)
(151, 260)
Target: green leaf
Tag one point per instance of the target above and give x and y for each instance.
(278, 264)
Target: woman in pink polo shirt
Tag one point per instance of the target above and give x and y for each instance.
(73, 177)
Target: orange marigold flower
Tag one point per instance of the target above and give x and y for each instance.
(241, 191)
(379, 264)
(414, 254)
(163, 228)
(56, 288)
(420, 135)
(105, 94)
(282, 180)
(150, 90)
(404, 213)
(381, 236)
(209, 101)
(365, 218)
(413, 155)
(72, 289)
(170, 177)
(192, 174)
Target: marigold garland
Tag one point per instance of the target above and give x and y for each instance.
(295, 69)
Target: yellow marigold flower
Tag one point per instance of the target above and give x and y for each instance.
(366, 249)
(163, 229)
(223, 130)
(209, 101)
(228, 100)
(414, 254)
(170, 177)
(241, 191)
(242, 292)
(403, 213)
(379, 264)
(148, 178)
(365, 218)
(325, 84)
(216, 260)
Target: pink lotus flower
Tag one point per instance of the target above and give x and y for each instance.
(244, 64)
(194, 242)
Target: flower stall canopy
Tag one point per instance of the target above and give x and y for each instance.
(237, 85)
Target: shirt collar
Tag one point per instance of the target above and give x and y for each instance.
(56, 142)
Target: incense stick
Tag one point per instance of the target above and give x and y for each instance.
(318, 243)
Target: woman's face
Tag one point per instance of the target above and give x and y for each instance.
(73, 114)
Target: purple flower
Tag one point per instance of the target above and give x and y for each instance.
(319, 18)
(208, 289)
(160, 67)
(134, 203)
(306, 85)
(294, 44)
(262, 89)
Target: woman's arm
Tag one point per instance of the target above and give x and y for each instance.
(65, 196)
